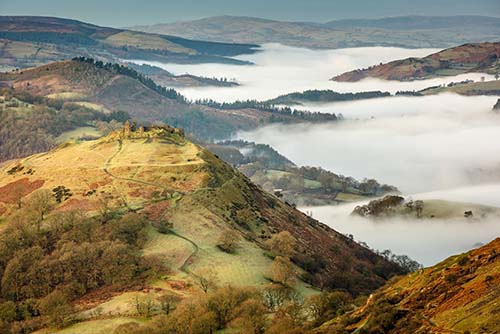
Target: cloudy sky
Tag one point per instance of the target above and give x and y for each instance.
(129, 12)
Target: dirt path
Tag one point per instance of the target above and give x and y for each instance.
(108, 164)
(184, 266)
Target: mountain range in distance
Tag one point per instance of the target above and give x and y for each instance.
(28, 41)
(403, 31)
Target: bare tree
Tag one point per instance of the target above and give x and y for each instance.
(206, 280)
(40, 203)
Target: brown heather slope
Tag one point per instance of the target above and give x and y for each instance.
(458, 295)
(161, 175)
(478, 57)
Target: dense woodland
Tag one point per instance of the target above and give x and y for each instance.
(46, 262)
(326, 96)
(30, 124)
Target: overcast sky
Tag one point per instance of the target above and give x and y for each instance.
(130, 12)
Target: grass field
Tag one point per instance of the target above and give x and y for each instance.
(475, 88)
(76, 134)
(139, 40)
(70, 96)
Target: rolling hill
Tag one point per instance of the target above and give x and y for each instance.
(27, 41)
(405, 31)
(140, 214)
(458, 295)
(119, 88)
(480, 57)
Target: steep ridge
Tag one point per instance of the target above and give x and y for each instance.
(458, 295)
(144, 170)
(156, 174)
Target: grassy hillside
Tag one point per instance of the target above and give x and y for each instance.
(33, 40)
(167, 205)
(409, 32)
(480, 57)
(118, 88)
(467, 88)
(458, 295)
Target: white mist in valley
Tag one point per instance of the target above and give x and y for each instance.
(426, 240)
(282, 69)
(434, 147)
(419, 144)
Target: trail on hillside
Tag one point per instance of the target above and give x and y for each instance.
(107, 164)
(184, 266)
(196, 248)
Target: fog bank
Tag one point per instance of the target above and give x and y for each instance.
(418, 144)
(428, 241)
(281, 69)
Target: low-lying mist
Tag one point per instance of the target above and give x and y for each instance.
(426, 240)
(418, 144)
(281, 69)
(434, 147)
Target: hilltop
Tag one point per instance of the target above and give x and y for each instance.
(403, 31)
(479, 57)
(162, 205)
(35, 40)
(458, 295)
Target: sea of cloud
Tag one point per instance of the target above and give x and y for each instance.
(282, 69)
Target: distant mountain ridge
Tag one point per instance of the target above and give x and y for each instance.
(27, 41)
(404, 31)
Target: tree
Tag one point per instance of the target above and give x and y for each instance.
(419, 207)
(168, 302)
(225, 300)
(144, 305)
(18, 193)
(282, 271)
(206, 280)
(41, 202)
(327, 305)
(282, 244)
(251, 317)
(57, 309)
(228, 241)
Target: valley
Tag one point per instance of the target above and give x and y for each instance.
(234, 174)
